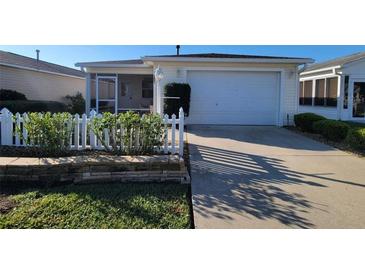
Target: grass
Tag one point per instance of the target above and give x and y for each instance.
(101, 206)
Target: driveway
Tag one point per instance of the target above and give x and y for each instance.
(269, 177)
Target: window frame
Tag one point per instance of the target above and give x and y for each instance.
(144, 89)
(314, 89)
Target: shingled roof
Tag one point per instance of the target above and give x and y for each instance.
(12, 59)
(223, 55)
(337, 61)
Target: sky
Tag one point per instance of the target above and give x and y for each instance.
(69, 55)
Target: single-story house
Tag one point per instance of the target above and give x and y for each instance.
(39, 80)
(225, 88)
(335, 89)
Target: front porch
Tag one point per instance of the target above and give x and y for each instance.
(117, 92)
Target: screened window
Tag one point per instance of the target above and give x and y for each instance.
(306, 88)
(319, 98)
(147, 88)
(331, 91)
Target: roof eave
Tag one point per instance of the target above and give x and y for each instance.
(307, 71)
(106, 65)
(229, 60)
(41, 70)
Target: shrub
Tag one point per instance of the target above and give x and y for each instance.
(8, 95)
(331, 129)
(305, 120)
(50, 132)
(22, 106)
(76, 103)
(137, 134)
(183, 91)
(356, 138)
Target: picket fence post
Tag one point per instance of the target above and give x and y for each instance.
(92, 135)
(181, 132)
(25, 132)
(173, 130)
(166, 134)
(6, 127)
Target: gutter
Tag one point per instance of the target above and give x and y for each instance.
(229, 60)
(105, 65)
(320, 70)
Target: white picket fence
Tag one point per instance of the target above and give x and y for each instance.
(84, 138)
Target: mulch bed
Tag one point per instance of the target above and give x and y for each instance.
(339, 145)
(13, 151)
(6, 204)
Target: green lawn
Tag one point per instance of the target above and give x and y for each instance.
(101, 206)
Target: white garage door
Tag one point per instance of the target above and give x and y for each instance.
(232, 97)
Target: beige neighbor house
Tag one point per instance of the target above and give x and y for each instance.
(39, 80)
(225, 88)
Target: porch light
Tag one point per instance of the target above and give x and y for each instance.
(159, 74)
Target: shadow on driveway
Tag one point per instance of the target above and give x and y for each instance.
(252, 184)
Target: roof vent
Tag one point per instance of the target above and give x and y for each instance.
(178, 50)
(37, 51)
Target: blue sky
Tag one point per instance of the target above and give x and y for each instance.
(69, 55)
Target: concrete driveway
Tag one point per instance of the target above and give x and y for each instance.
(269, 177)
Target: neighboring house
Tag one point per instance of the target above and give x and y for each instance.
(335, 89)
(37, 79)
(225, 88)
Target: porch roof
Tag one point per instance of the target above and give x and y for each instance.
(147, 61)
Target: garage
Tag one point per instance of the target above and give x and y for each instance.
(234, 97)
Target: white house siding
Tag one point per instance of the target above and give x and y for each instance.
(39, 85)
(177, 72)
(353, 70)
(328, 112)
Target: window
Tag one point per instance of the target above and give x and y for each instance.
(306, 93)
(331, 91)
(319, 98)
(147, 88)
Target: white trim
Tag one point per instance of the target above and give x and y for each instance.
(42, 71)
(115, 78)
(108, 65)
(351, 99)
(279, 120)
(319, 70)
(254, 69)
(322, 76)
(229, 60)
(88, 94)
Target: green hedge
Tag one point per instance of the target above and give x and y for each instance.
(331, 129)
(181, 90)
(305, 121)
(356, 138)
(8, 94)
(22, 106)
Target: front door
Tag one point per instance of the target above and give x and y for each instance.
(106, 94)
(357, 104)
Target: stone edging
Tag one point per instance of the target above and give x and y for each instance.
(91, 169)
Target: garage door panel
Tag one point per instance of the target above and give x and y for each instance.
(228, 97)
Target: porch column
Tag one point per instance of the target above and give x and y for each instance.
(87, 95)
(158, 77)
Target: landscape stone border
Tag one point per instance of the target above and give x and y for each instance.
(92, 169)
